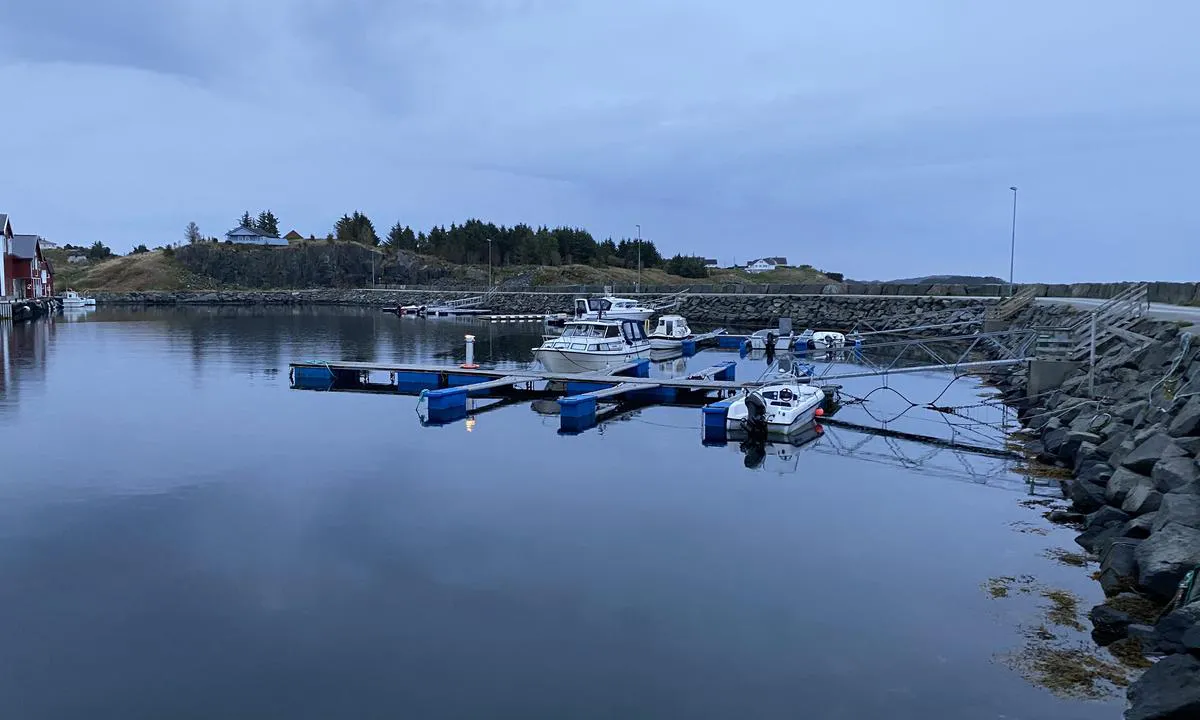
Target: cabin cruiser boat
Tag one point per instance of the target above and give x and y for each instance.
(775, 337)
(613, 308)
(590, 345)
(72, 299)
(785, 404)
(670, 333)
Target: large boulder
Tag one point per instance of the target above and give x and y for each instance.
(1106, 517)
(1179, 508)
(1169, 690)
(1174, 472)
(1054, 440)
(1108, 624)
(1140, 526)
(1086, 454)
(1175, 624)
(1191, 639)
(1095, 472)
(1190, 445)
(1166, 556)
(1075, 439)
(1149, 451)
(1187, 420)
(1129, 410)
(1085, 496)
(1097, 538)
(1141, 500)
(1122, 483)
(1118, 567)
(1114, 441)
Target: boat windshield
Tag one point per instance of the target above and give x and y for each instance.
(587, 331)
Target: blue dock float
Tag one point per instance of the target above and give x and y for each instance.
(716, 416)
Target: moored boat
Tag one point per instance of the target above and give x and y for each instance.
(590, 345)
(72, 299)
(785, 404)
(773, 337)
(612, 308)
(670, 333)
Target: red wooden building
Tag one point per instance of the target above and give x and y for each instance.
(30, 275)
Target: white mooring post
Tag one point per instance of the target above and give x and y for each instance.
(470, 363)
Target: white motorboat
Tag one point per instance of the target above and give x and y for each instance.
(670, 333)
(72, 299)
(781, 340)
(820, 340)
(590, 345)
(611, 308)
(785, 404)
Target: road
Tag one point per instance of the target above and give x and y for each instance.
(1158, 311)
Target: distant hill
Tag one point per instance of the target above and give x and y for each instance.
(942, 280)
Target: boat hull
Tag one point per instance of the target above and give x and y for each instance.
(666, 343)
(575, 361)
(781, 343)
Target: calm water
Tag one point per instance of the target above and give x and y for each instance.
(183, 536)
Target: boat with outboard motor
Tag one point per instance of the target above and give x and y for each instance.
(72, 299)
(670, 333)
(589, 345)
(772, 337)
(611, 308)
(786, 402)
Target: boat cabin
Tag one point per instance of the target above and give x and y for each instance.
(672, 326)
(603, 306)
(599, 336)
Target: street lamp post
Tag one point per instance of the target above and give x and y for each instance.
(639, 254)
(489, 263)
(1012, 253)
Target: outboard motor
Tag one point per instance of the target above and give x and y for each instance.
(756, 415)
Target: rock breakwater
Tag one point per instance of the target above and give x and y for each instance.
(1132, 443)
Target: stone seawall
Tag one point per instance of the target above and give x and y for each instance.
(832, 311)
(1133, 448)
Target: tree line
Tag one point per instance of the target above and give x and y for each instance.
(471, 242)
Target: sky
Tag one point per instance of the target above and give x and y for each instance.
(876, 138)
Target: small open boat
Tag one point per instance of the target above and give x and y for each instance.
(785, 404)
(773, 337)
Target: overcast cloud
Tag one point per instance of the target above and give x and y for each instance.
(877, 138)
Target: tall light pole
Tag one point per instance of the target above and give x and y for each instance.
(639, 253)
(489, 263)
(1012, 253)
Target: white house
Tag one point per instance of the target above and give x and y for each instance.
(766, 264)
(243, 235)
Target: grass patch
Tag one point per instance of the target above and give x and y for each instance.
(1064, 608)
(1066, 557)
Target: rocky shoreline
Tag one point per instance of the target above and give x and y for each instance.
(739, 310)
(1133, 451)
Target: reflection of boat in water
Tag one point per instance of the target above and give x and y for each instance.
(74, 314)
(777, 455)
(784, 404)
